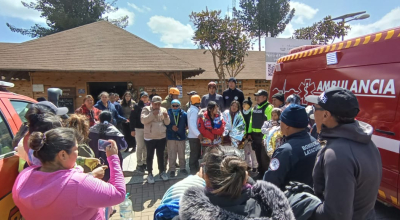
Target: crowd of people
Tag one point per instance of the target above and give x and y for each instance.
(276, 160)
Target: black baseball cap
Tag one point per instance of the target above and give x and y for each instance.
(261, 92)
(232, 79)
(338, 101)
(192, 93)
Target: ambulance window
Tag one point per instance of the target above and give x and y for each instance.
(5, 137)
(21, 108)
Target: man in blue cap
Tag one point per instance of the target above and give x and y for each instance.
(232, 93)
(294, 160)
(176, 137)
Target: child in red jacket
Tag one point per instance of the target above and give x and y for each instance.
(211, 125)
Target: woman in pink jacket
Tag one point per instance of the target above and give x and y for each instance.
(60, 190)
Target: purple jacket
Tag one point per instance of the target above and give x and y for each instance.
(110, 132)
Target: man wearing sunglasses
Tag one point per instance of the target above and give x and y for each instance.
(176, 137)
(348, 168)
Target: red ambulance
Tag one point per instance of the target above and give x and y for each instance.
(12, 111)
(369, 66)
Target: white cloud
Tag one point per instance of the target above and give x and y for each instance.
(172, 31)
(121, 13)
(289, 30)
(302, 11)
(390, 20)
(146, 8)
(164, 7)
(15, 9)
(139, 9)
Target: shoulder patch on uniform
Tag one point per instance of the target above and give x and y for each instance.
(274, 165)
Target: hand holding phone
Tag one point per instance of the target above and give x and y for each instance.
(103, 144)
(112, 149)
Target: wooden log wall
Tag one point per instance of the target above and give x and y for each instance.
(80, 80)
(23, 87)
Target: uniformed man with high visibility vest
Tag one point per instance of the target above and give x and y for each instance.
(260, 113)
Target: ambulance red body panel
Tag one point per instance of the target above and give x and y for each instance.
(369, 66)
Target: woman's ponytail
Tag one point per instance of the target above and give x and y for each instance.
(226, 171)
(234, 172)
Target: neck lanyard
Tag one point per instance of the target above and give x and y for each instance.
(176, 118)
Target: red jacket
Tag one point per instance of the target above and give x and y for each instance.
(211, 135)
(92, 115)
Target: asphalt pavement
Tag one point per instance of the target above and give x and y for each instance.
(386, 213)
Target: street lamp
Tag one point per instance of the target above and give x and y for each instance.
(361, 16)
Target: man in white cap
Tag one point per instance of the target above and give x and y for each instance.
(155, 118)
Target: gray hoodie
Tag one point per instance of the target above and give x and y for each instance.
(347, 172)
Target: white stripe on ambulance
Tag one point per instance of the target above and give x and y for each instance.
(386, 143)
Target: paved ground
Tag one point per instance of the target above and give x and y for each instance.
(147, 197)
(386, 213)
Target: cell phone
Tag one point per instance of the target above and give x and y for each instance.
(102, 144)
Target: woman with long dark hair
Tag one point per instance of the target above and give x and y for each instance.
(127, 106)
(40, 119)
(211, 125)
(105, 131)
(58, 189)
(234, 125)
(228, 195)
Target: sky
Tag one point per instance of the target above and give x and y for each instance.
(166, 23)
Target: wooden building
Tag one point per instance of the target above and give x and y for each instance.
(90, 59)
(102, 57)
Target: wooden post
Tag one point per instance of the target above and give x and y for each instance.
(178, 78)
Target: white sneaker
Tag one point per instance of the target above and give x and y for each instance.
(150, 178)
(164, 176)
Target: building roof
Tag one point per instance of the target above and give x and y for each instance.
(96, 47)
(5, 46)
(255, 64)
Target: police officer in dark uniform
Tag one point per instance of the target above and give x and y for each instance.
(294, 159)
(232, 93)
(260, 113)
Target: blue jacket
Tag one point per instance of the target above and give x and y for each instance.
(293, 161)
(118, 107)
(182, 124)
(111, 108)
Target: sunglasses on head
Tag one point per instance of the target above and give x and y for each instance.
(175, 106)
